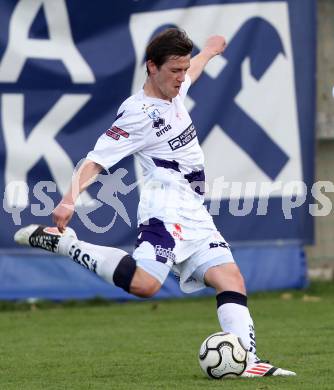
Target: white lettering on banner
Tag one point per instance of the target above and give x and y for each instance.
(266, 189)
(23, 153)
(237, 195)
(15, 190)
(60, 45)
(289, 201)
(324, 201)
(46, 200)
(219, 185)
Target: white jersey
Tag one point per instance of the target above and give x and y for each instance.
(162, 136)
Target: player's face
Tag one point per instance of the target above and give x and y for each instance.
(169, 77)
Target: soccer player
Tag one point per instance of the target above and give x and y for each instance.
(175, 230)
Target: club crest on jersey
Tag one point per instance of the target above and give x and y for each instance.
(157, 120)
(154, 114)
(115, 133)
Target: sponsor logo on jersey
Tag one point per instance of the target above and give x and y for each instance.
(164, 253)
(219, 244)
(115, 133)
(163, 130)
(184, 138)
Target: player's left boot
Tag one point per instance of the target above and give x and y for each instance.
(44, 237)
(259, 368)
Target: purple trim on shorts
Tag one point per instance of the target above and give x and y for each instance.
(166, 164)
(162, 241)
(196, 177)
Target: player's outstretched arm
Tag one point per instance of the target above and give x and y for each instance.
(213, 46)
(85, 176)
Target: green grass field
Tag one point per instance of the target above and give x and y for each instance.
(154, 345)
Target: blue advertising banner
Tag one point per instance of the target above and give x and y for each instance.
(66, 66)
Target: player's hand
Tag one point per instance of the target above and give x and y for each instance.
(62, 214)
(215, 44)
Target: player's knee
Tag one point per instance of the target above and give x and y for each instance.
(234, 273)
(236, 279)
(144, 285)
(148, 290)
(239, 281)
(226, 277)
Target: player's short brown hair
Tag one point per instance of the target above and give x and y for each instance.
(170, 42)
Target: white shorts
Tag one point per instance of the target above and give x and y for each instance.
(162, 247)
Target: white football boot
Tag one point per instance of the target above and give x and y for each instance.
(257, 368)
(44, 237)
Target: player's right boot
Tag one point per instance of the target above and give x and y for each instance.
(44, 237)
(260, 368)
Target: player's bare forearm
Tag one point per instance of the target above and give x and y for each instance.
(214, 45)
(85, 176)
(82, 179)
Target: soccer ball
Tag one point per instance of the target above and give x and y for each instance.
(222, 355)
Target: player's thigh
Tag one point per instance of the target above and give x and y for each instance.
(153, 254)
(215, 265)
(210, 252)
